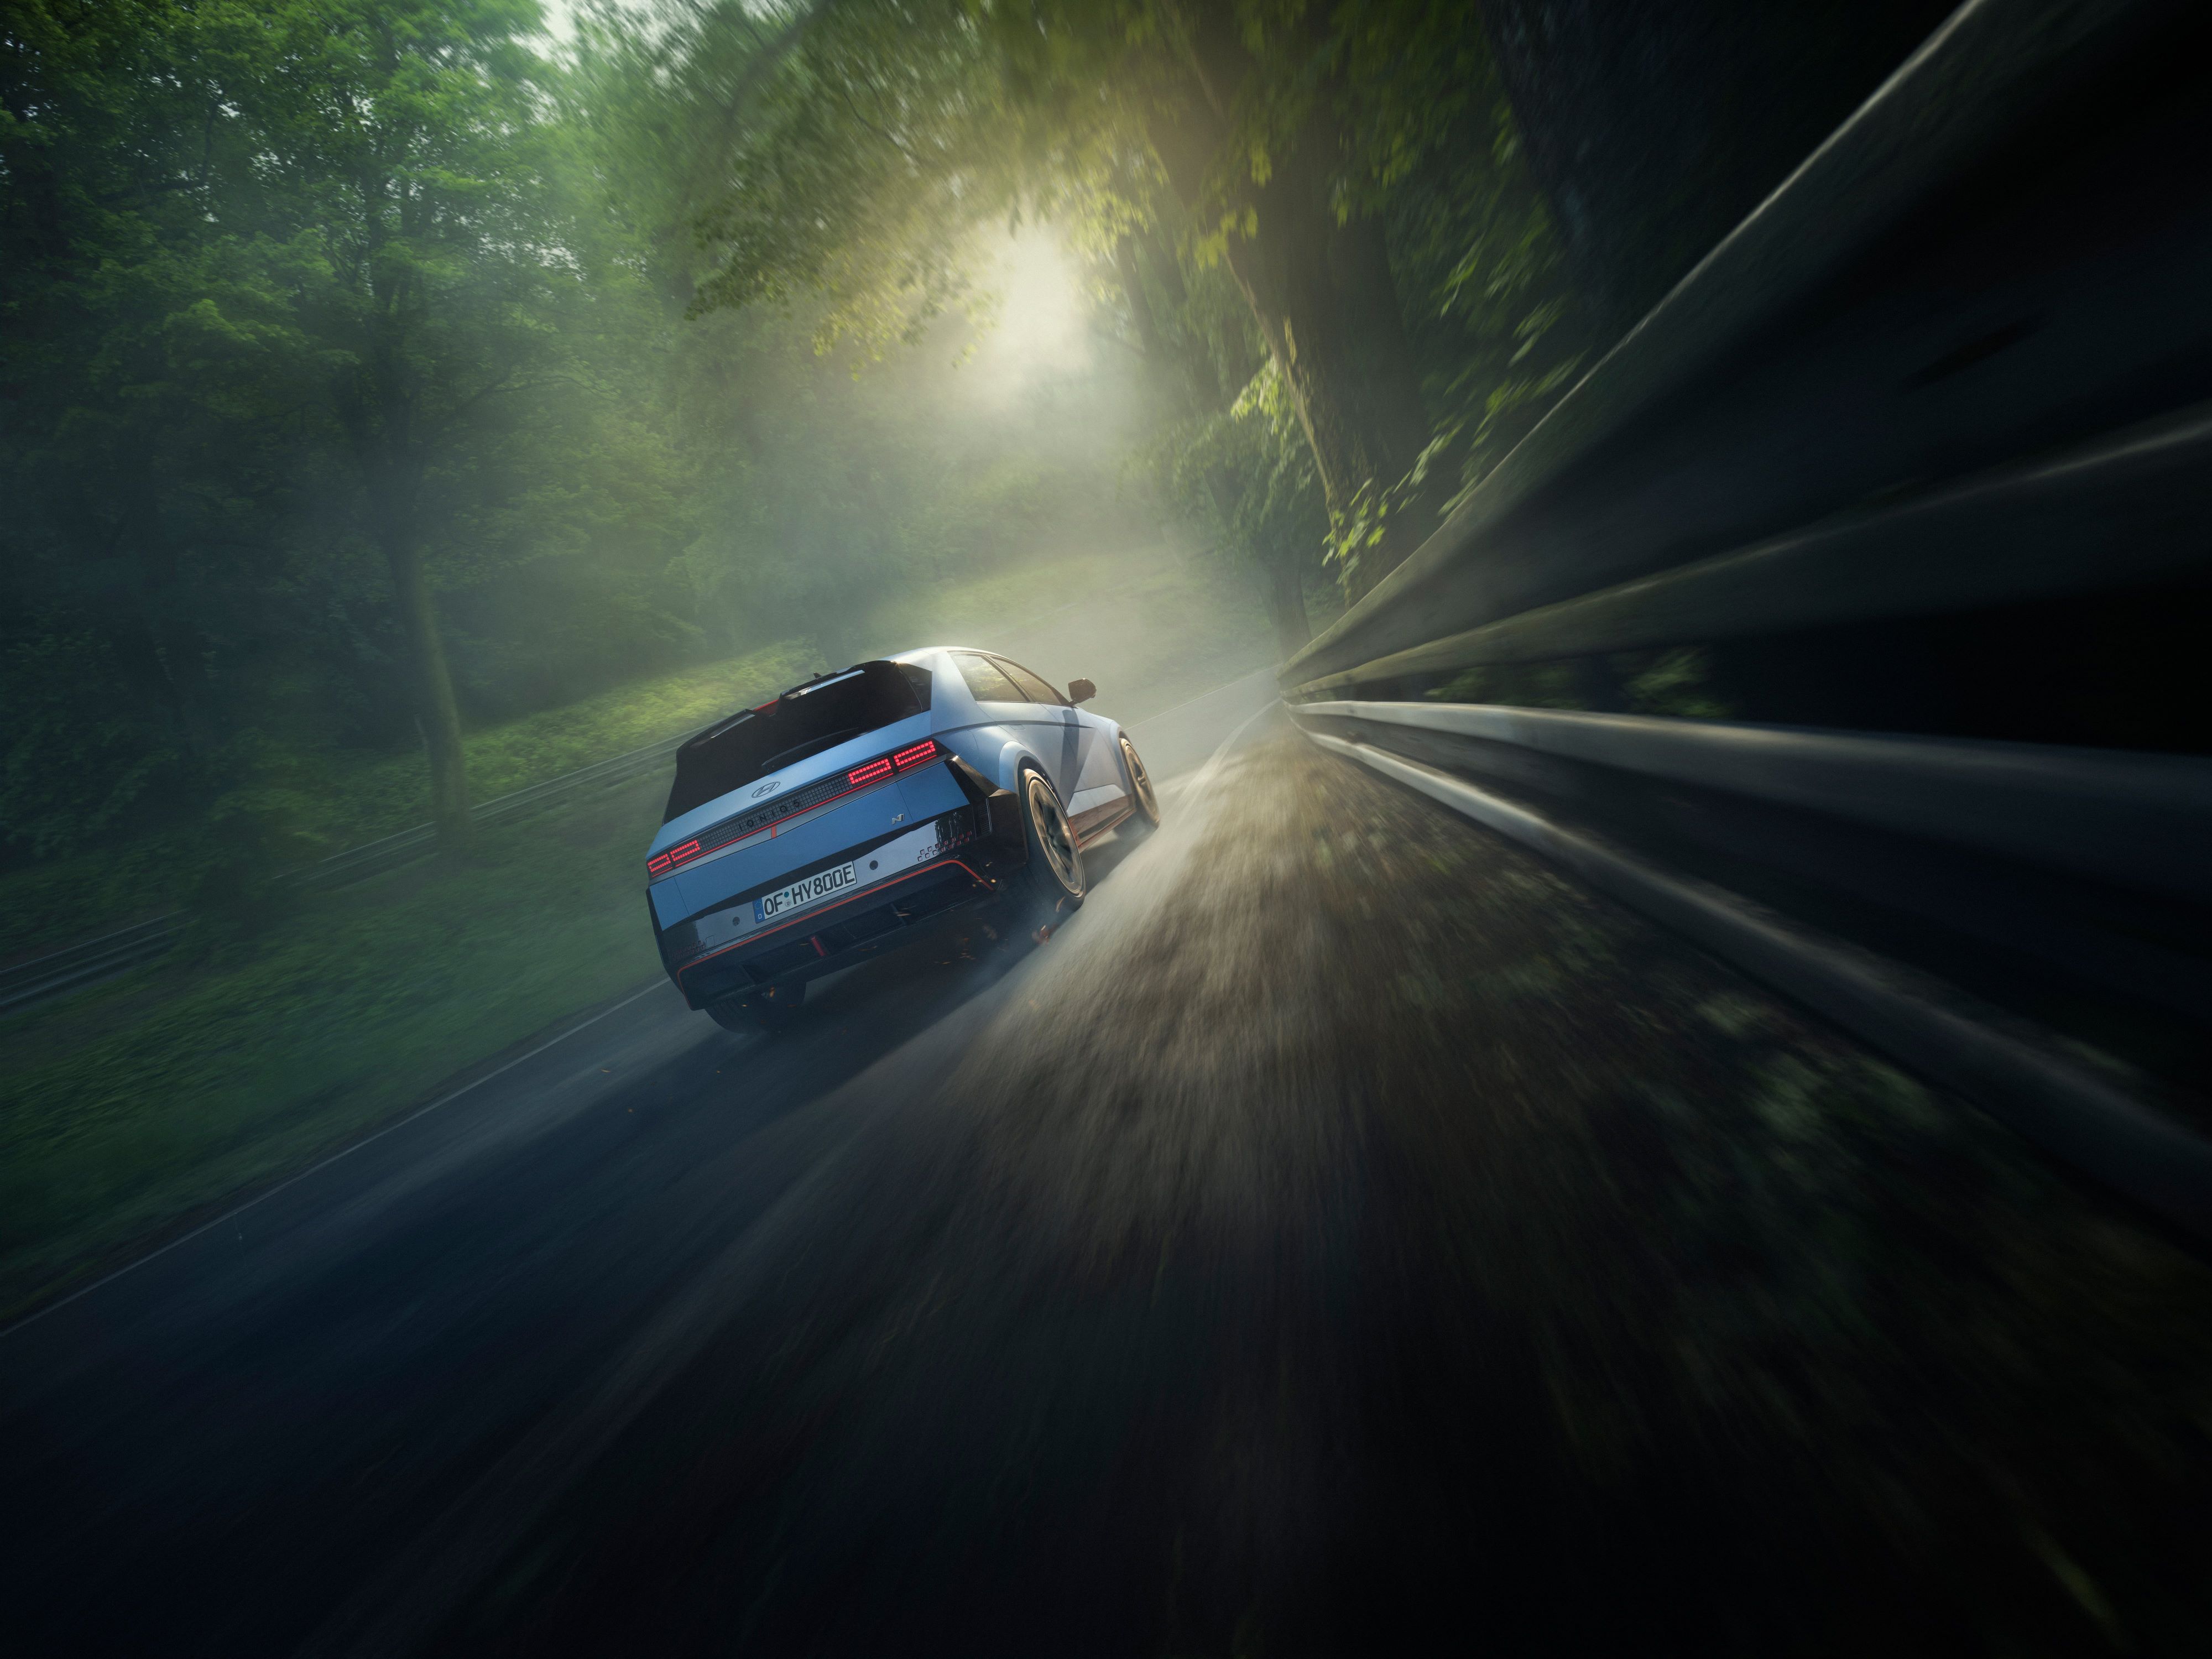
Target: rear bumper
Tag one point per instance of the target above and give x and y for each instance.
(836, 934)
(959, 859)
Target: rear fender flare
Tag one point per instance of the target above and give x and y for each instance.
(1014, 759)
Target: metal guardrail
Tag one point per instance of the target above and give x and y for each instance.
(89, 961)
(1959, 361)
(84, 962)
(372, 858)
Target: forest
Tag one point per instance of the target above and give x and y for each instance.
(376, 371)
(372, 371)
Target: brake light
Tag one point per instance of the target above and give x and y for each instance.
(925, 749)
(870, 773)
(672, 858)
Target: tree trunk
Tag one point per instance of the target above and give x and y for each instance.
(154, 642)
(1130, 271)
(1322, 295)
(1286, 602)
(440, 713)
(165, 615)
(1282, 583)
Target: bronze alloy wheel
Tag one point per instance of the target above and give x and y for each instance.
(1141, 783)
(1055, 837)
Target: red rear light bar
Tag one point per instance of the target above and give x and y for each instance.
(673, 856)
(921, 754)
(906, 760)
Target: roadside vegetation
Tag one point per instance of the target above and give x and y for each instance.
(47, 904)
(1186, 635)
(127, 1109)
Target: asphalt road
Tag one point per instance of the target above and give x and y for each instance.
(1344, 1237)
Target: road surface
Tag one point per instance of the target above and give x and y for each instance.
(1345, 1237)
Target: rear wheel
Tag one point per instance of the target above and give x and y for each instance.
(1052, 883)
(1146, 818)
(765, 1007)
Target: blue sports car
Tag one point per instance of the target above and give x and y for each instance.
(825, 825)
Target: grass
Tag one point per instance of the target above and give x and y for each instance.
(392, 792)
(127, 1108)
(361, 799)
(156, 1096)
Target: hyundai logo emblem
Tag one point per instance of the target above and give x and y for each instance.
(769, 787)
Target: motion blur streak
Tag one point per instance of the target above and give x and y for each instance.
(1274, 1266)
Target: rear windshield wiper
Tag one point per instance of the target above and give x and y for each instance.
(799, 751)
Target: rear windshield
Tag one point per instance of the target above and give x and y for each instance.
(803, 722)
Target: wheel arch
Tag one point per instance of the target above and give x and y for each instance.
(1016, 758)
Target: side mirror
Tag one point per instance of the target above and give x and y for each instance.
(1081, 691)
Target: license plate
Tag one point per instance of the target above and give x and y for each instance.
(800, 894)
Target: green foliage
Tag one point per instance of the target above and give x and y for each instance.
(383, 796)
(1677, 682)
(852, 155)
(293, 286)
(78, 752)
(286, 281)
(290, 285)
(1488, 307)
(1245, 473)
(314, 800)
(166, 1090)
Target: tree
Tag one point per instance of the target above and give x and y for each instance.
(1655, 125)
(407, 136)
(299, 283)
(1249, 132)
(831, 451)
(1230, 455)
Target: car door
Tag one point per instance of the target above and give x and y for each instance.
(1043, 725)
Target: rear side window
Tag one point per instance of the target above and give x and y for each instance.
(803, 722)
(1032, 686)
(986, 682)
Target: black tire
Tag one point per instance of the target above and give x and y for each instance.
(1050, 886)
(1146, 818)
(764, 1008)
